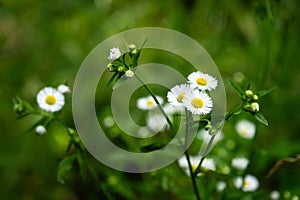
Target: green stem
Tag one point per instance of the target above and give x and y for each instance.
(156, 101)
(228, 115)
(188, 156)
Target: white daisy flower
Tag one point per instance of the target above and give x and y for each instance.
(202, 81)
(148, 103)
(274, 195)
(40, 129)
(240, 163)
(177, 93)
(220, 186)
(157, 122)
(114, 53)
(50, 99)
(245, 129)
(198, 102)
(64, 88)
(248, 184)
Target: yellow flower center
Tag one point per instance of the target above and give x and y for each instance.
(201, 81)
(246, 184)
(150, 103)
(197, 103)
(180, 97)
(51, 100)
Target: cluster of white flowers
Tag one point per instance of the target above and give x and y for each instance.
(193, 95)
(50, 99)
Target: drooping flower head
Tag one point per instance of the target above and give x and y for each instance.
(50, 99)
(148, 103)
(202, 81)
(198, 102)
(114, 53)
(64, 88)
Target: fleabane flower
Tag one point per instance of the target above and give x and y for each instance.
(197, 102)
(148, 103)
(248, 184)
(240, 163)
(220, 186)
(114, 53)
(50, 99)
(245, 129)
(177, 93)
(202, 81)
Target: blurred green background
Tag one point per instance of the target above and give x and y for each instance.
(44, 43)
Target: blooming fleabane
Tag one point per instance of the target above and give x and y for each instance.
(198, 102)
(114, 53)
(177, 94)
(50, 99)
(148, 103)
(202, 81)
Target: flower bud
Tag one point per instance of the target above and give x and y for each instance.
(255, 97)
(249, 93)
(134, 51)
(131, 47)
(40, 129)
(110, 67)
(64, 88)
(19, 108)
(254, 107)
(120, 69)
(129, 73)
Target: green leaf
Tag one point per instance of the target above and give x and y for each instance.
(264, 92)
(64, 166)
(238, 90)
(260, 117)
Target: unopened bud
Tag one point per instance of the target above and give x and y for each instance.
(120, 69)
(255, 97)
(131, 47)
(254, 107)
(129, 73)
(249, 93)
(40, 129)
(134, 51)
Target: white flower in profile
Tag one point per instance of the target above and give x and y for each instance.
(240, 163)
(220, 186)
(148, 103)
(40, 129)
(64, 88)
(197, 102)
(50, 99)
(114, 53)
(202, 81)
(157, 122)
(274, 195)
(245, 129)
(248, 184)
(177, 94)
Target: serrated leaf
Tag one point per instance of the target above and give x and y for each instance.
(64, 166)
(264, 92)
(237, 89)
(260, 117)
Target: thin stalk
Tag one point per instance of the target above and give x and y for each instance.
(188, 156)
(228, 115)
(156, 101)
